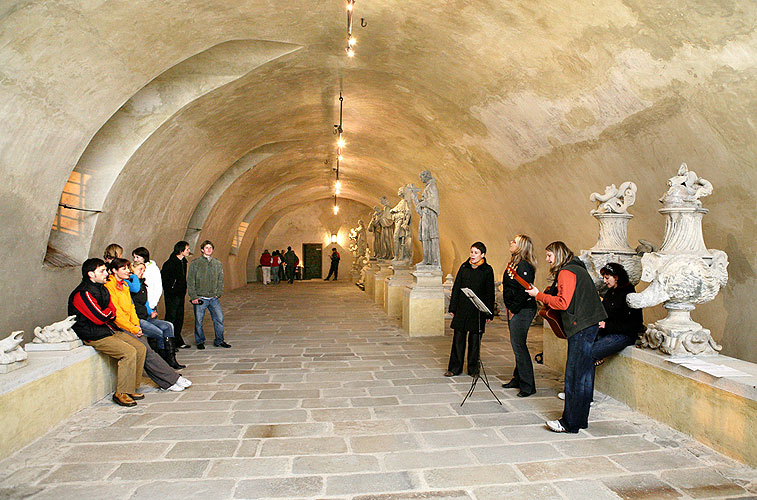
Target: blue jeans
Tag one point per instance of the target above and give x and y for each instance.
(524, 369)
(214, 306)
(606, 345)
(157, 329)
(275, 275)
(579, 378)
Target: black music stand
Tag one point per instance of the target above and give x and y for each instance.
(481, 371)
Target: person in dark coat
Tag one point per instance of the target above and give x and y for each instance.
(623, 324)
(521, 309)
(334, 268)
(477, 275)
(174, 277)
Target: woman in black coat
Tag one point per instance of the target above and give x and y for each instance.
(623, 324)
(174, 277)
(521, 309)
(477, 275)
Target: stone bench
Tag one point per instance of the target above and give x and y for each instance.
(718, 412)
(50, 388)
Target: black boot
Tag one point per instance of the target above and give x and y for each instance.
(171, 355)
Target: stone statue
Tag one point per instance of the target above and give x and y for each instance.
(364, 264)
(427, 206)
(360, 237)
(60, 331)
(374, 226)
(615, 200)
(403, 238)
(11, 350)
(612, 245)
(387, 230)
(683, 272)
(685, 189)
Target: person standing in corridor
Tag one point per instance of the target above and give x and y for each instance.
(291, 260)
(174, 278)
(334, 269)
(205, 287)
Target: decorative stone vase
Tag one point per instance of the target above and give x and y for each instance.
(683, 272)
(612, 244)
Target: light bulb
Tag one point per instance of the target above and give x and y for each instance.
(337, 187)
(336, 209)
(340, 142)
(350, 52)
(349, 5)
(351, 41)
(340, 157)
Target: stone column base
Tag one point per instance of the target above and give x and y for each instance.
(423, 305)
(385, 270)
(370, 279)
(52, 346)
(394, 286)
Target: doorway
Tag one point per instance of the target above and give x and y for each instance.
(311, 261)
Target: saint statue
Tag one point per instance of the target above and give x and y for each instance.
(403, 240)
(374, 226)
(427, 206)
(386, 220)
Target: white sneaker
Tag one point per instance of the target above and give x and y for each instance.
(184, 382)
(175, 388)
(555, 426)
(561, 395)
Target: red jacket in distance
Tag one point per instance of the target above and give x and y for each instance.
(265, 259)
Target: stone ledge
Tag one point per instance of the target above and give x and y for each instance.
(52, 387)
(718, 412)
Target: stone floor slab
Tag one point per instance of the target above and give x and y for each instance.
(702, 483)
(471, 476)
(288, 487)
(641, 487)
(186, 489)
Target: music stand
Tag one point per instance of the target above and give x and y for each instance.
(481, 371)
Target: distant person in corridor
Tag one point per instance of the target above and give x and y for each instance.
(334, 269)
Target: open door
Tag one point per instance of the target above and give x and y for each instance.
(311, 261)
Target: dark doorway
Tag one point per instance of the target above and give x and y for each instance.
(311, 261)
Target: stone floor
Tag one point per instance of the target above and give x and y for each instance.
(323, 397)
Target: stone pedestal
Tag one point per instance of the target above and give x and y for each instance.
(394, 286)
(52, 346)
(385, 270)
(423, 304)
(370, 278)
(13, 366)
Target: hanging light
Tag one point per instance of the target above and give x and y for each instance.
(333, 238)
(340, 142)
(337, 186)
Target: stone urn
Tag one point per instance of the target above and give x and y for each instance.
(683, 272)
(612, 245)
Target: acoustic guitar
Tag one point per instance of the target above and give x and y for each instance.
(551, 316)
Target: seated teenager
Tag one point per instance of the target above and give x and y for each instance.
(154, 328)
(623, 324)
(91, 304)
(127, 320)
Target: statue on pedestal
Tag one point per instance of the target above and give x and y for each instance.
(11, 350)
(612, 245)
(59, 331)
(427, 206)
(374, 226)
(403, 240)
(386, 220)
(683, 272)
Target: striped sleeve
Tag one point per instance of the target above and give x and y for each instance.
(88, 306)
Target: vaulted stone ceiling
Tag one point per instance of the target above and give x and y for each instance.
(207, 114)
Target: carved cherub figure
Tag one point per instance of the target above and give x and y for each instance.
(685, 189)
(615, 200)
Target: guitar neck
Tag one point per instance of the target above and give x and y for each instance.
(512, 272)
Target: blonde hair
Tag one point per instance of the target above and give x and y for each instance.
(562, 254)
(134, 265)
(113, 251)
(524, 250)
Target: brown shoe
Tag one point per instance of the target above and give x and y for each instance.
(449, 374)
(137, 396)
(123, 399)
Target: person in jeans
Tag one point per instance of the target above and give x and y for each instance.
(576, 297)
(205, 287)
(174, 278)
(127, 320)
(157, 329)
(521, 309)
(275, 263)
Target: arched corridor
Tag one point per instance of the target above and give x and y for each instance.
(323, 396)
